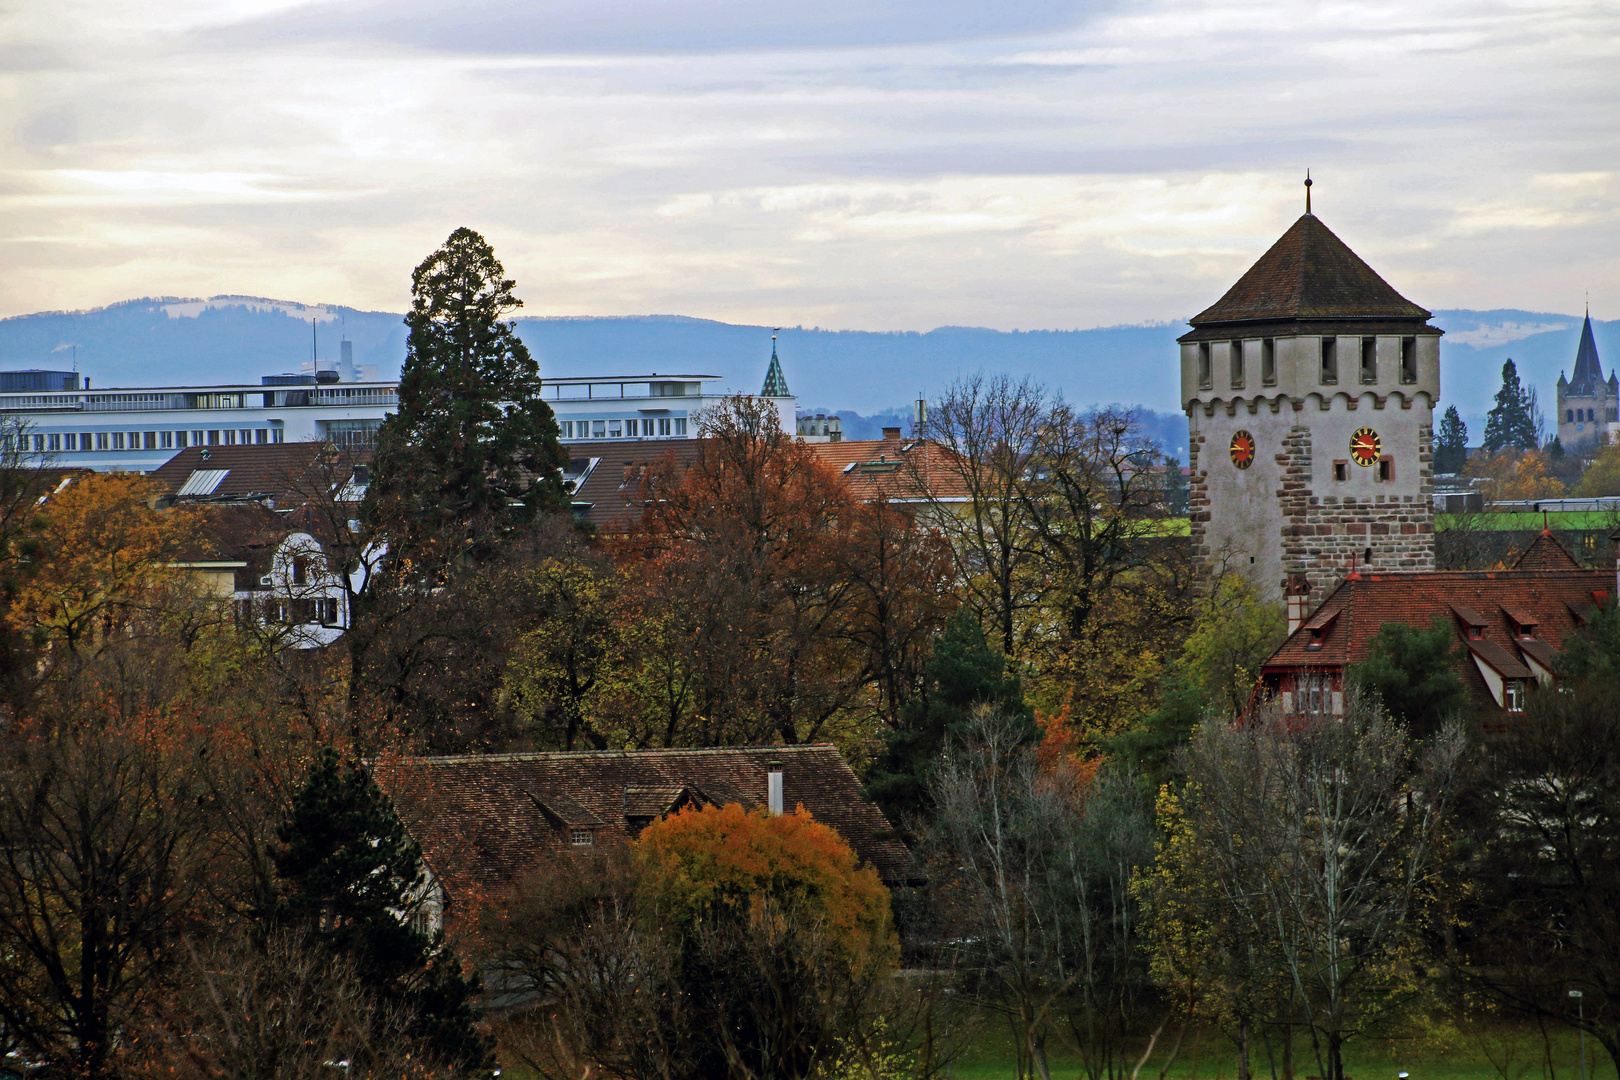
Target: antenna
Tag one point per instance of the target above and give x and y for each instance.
(1307, 191)
(314, 355)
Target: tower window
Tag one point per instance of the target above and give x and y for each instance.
(1205, 378)
(1330, 360)
(1268, 362)
(1235, 350)
(1569, 416)
(1386, 468)
(1369, 360)
(1408, 359)
(1341, 470)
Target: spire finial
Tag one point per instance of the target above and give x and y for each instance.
(1307, 191)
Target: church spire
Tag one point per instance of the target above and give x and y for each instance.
(1588, 369)
(775, 381)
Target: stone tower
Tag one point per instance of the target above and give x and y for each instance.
(1310, 390)
(1587, 404)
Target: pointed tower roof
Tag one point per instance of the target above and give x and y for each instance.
(775, 381)
(1588, 370)
(1309, 274)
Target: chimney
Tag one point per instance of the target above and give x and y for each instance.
(1297, 590)
(774, 789)
(922, 416)
(891, 434)
(346, 364)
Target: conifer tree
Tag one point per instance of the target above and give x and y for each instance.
(964, 671)
(1510, 425)
(349, 873)
(1451, 443)
(473, 450)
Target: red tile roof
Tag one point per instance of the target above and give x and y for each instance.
(1497, 604)
(509, 813)
(897, 469)
(1309, 273)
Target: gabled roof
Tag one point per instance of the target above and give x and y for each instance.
(1309, 274)
(1588, 369)
(1499, 605)
(481, 816)
(1546, 553)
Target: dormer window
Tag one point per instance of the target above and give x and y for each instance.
(582, 837)
(1513, 695)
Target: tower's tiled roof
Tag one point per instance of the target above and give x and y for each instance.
(1588, 378)
(1309, 274)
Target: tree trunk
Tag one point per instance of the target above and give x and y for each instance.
(1335, 1056)
(1243, 1050)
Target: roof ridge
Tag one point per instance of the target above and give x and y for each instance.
(537, 755)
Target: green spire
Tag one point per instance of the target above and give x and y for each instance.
(775, 381)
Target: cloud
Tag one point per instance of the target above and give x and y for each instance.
(885, 166)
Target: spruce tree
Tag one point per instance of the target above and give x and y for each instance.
(964, 671)
(349, 873)
(1510, 425)
(473, 450)
(1451, 443)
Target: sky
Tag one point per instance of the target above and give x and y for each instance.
(854, 164)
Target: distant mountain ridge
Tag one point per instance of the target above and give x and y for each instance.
(174, 340)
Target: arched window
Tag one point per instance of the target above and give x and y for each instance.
(1569, 416)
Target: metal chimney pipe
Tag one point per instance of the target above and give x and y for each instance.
(774, 789)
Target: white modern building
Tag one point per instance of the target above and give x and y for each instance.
(137, 429)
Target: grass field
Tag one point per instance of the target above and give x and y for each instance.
(1519, 1051)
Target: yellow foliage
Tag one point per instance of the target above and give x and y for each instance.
(1514, 475)
(1602, 476)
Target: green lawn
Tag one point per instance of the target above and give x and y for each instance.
(1465, 1056)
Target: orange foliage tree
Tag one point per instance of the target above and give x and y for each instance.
(103, 558)
(777, 937)
(785, 601)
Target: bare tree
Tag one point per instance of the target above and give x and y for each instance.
(994, 426)
(1037, 860)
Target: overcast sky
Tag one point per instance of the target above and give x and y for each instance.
(870, 164)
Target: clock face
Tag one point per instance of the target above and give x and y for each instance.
(1242, 449)
(1365, 446)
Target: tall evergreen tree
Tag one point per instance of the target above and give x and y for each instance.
(1509, 425)
(964, 671)
(349, 873)
(1451, 443)
(473, 450)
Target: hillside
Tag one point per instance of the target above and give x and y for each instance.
(170, 340)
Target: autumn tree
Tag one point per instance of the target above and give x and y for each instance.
(753, 537)
(102, 558)
(558, 670)
(729, 944)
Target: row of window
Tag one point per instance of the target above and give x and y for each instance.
(291, 611)
(1236, 361)
(650, 428)
(93, 441)
(1575, 416)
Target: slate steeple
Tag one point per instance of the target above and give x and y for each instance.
(1588, 369)
(775, 382)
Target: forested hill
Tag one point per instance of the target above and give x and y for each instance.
(156, 341)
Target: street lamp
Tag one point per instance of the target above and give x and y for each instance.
(1580, 1011)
